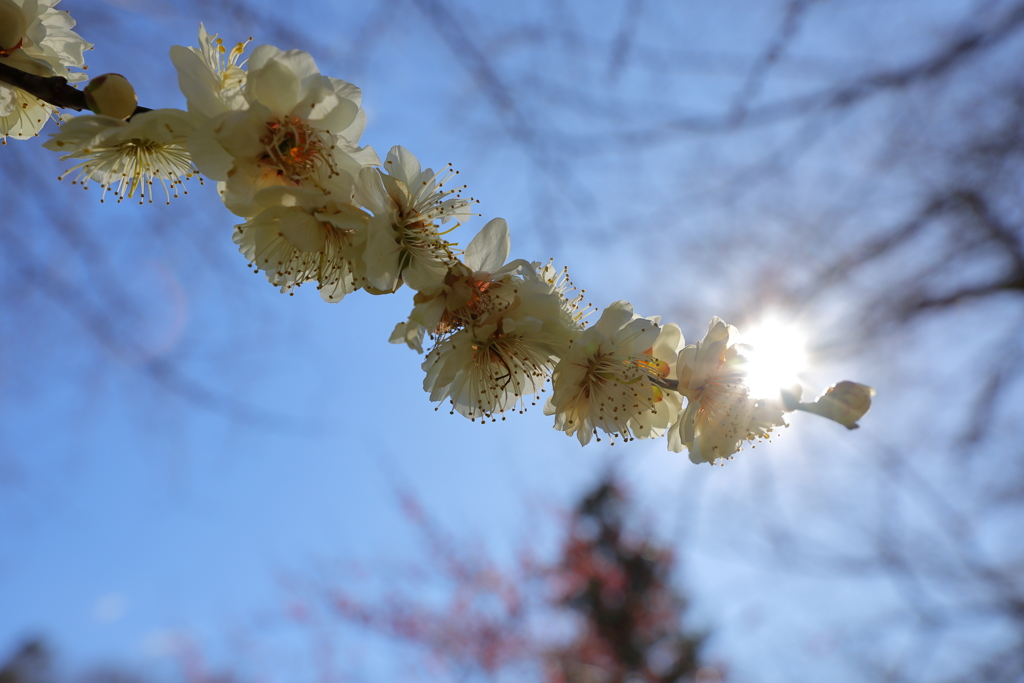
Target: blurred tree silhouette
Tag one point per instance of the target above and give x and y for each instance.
(33, 662)
(30, 663)
(620, 586)
(605, 612)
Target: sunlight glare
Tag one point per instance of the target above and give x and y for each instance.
(778, 353)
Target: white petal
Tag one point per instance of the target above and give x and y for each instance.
(209, 157)
(302, 230)
(614, 318)
(489, 249)
(275, 86)
(197, 83)
(401, 164)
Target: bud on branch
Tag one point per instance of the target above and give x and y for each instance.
(53, 90)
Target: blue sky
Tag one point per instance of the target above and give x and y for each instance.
(177, 436)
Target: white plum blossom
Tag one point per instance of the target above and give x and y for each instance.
(472, 289)
(305, 235)
(612, 378)
(560, 283)
(300, 129)
(407, 202)
(128, 156)
(720, 413)
(493, 363)
(211, 76)
(37, 39)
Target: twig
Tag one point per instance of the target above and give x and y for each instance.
(53, 90)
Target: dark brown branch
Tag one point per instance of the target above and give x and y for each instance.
(50, 89)
(1002, 374)
(104, 328)
(758, 73)
(1013, 283)
(878, 247)
(959, 51)
(625, 37)
(996, 230)
(506, 104)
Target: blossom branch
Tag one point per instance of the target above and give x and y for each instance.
(282, 142)
(53, 90)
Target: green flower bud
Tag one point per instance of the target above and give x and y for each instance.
(111, 95)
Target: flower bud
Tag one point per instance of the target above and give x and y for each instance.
(845, 403)
(111, 95)
(12, 26)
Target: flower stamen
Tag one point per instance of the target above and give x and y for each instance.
(135, 164)
(296, 150)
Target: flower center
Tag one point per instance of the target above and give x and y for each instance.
(477, 304)
(421, 241)
(295, 149)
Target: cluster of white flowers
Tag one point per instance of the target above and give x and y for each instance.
(282, 142)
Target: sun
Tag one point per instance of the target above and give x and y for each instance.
(778, 353)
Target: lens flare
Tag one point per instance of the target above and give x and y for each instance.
(777, 354)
